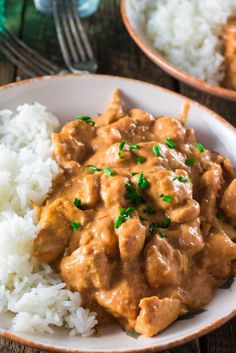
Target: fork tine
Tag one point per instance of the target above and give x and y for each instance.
(41, 61)
(80, 28)
(18, 59)
(74, 29)
(61, 34)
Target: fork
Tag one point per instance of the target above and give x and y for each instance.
(27, 59)
(73, 40)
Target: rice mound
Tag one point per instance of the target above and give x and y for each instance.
(32, 291)
(188, 33)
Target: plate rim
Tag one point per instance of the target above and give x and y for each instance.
(156, 347)
(170, 68)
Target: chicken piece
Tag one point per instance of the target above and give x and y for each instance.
(123, 298)
(228, 170)
(113, 112)
(156, 314)
(226, 228)
(219, 253)
(90, 191)
(229, 37)
(228, 202)
(166, 127)
(113, 190)
(210, 185)
(166, 191)
(191, 240)
(55, 229)
(143, 118)
(112, 154)
(189, 211)
(164, 265)
(131, 237)
(72, 144)
(87, 268)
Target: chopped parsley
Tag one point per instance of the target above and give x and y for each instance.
(133, 173)
(141, 160)
(170, 143)
(125, 213)
(166, 198)
(122, 145)
(200, 147)
(93, 169)
(163, 235)
(181, 178)
(109, 171)
(132, 194)
(143, 183)
(190, 162)
(86, 119)
(120, 155)
(156, 150)
(150, 210)
(78, 203)
(133, 146)
(75, 226)
(163, 224)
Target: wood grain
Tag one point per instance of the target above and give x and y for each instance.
(117, 55)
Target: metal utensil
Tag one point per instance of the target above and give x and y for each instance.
(73, 40)
(27, 59)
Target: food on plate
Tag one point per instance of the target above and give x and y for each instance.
(140, 220)
(193, 35)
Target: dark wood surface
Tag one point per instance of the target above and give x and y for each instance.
(117, 55)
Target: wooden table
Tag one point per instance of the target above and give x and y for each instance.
(117, 55)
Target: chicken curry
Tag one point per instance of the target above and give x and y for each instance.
(141, 220)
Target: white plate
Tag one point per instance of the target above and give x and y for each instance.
(67, 96)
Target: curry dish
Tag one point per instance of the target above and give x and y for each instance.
(141, 219)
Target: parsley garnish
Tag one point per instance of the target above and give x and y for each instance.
(170, 143)
(120, 155)
(86, 119)
(166, 198)
(93, 169)
(78, 203)
(133, 173)
(133, 146)
(141, 160)
(181, 178)
(163, 224)
(156, 150)
(109, 171)
(132, 194)
(190, 162)
(122, 145)
(163, 235)
(200, 147)
(125, 213)
(75, 226)
(142, 182)
(150, 210)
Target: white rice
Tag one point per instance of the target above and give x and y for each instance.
(188, 33)
(32, 291)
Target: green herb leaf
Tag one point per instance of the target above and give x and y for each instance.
(156, 150)
(78, 203)
(122, 145)
(86, 119)
(170, 143)
(133, 173)
(142, 219)
(150, 210)
(181, 178)
(125, 213)
(141, 160)
(109, 171)
(120, 155)
(142, 182)
(200, 147)
(132, 194)
(119, 221)
(163, 224)
(166, 198)
(163, 235)
(192, 314)
(132, 334)
(133, 146)
(93, 169)
(190, 162)
(75, 226)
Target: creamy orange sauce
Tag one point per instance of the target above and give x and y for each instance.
(146, 232)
